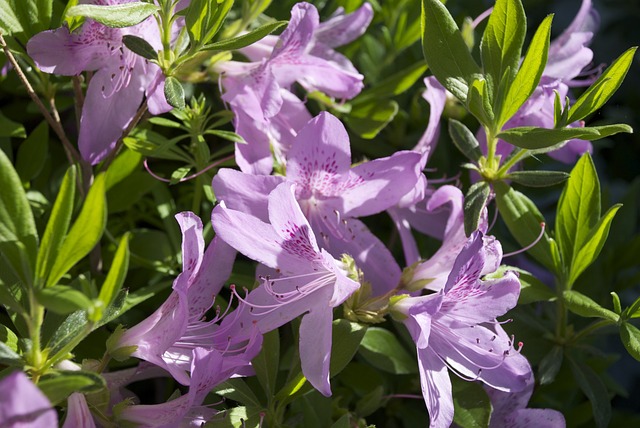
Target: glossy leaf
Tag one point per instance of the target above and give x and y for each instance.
(602, 89)
(528, 76)
(63, 299)
(85, 232)
(445, 50)
(532, 138)
(382, 350)
(472, 407)
(584, 306)
(204, 19)
(475, 202)
(57, 226)
(368, 119)
(503, 38)
(117, 274)
(18, 234)
(139, 46)
(538, 178)
(174, 92)
(630, 336)
(246, 39)
(464, 140)
(237, 390)
(479, 103)
(116, 15)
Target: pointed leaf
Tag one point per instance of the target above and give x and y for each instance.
(266, 362)
(478, 102)
(139, 46)
(18, 234)
(62, 299)
(58, 386)
(445, 50)
(550, 365)
(174, 92)
(246, 39)
(630, 336)
(603, 88)
(584, 306)
(117, 274)
(503, 38)
(237, 390)
(464, 140)
(532, 138)
(529, 74)
(474, 202)
(590, 249)
(538, 178)
(117, 15)
(368, 119)
(85, 232)
(33, 152)
(57, 226)
(393, 85)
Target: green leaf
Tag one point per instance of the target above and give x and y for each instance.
(237, 390)
(474, 202)
(125, 164)
(382, 350)
(24, 18)
(472, 407)
(630, 336)
(478, 102)
(344, 420)
(524, 221)
(368, 404)
(174, 92)
(346, 338)
(266, 362)
(595, 390)
(602, 89)
(140, 46)
(532, 138)
(57, 226)
(18, 234)
(9, 128)
(445, 50)
(393, 85)
(503, 38)
(62, 299)
(58, 386)
(531, 288)
(368, 119)
(117, 273)
(117, 15)
(607, 130)
(538, 178)
(584, 306)
(550, 365)
(590, 249)
(464, 140)
(33, 152)
(9, 348)
(204, 19)
(246, 39)
(528, 76)
(85, 232)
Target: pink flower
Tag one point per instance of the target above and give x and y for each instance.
(23, 404)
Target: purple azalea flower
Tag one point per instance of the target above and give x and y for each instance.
(310, 280)
(78, 413)
(456, 329)
(25, 405)
(208, 369)
(119, 84)
(267, 113)
(332, 194)
(510, 410)
(168, 337)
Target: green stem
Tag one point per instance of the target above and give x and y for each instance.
(504, 169)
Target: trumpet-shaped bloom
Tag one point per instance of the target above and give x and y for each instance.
(267, 113)
(23, 405)
(168, 337)
(456, 329)
(332, 194)
(120, 82)
(310, 281)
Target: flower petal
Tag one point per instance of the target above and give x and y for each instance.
(342, 29)
(248, 193)
(78, 413)
(25, 405)
(436, 388)
(315, 344)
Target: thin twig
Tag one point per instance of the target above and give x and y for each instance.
(72, 153)
(79, 96)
